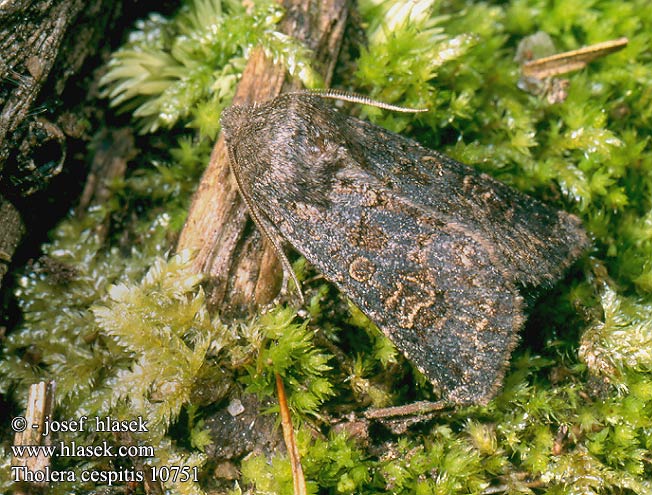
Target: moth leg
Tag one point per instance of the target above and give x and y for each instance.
(276, 240)
(265, 227)
(288, 271)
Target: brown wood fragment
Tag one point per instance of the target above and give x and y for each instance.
(43, 43)
(538, 73)
(415, 408)
(10, 234)
(42, 39)
(113, 149)
(398, 419)
(243, 272)
(40, 404)
(562, 63)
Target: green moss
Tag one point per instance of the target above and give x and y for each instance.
(286, 348)
(335, 463)
(125, 330)
(186, 67)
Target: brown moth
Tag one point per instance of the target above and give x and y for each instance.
(433, 251)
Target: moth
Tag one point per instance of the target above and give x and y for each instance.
(433, 251)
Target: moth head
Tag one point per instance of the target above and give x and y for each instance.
(232, 119)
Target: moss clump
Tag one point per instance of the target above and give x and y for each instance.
(575, 412)
(287, 348)
(187, 67)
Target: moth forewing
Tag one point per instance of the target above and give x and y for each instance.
(430, 249)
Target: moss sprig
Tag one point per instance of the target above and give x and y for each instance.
(286, 347)
(185, 68)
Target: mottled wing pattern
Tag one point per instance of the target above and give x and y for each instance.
(535, 241)
(433, 287)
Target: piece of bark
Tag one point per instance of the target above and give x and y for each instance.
(49, 50)
(31, 431)
(37, 40)
(10, 234)
(398, 419)
(112, 150)
(43, 43)
(241, 271)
